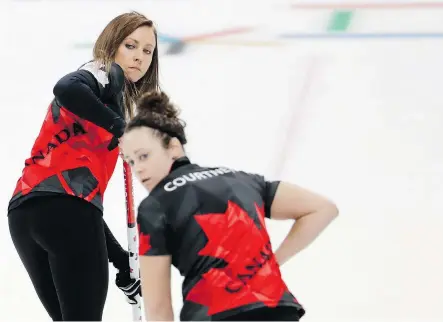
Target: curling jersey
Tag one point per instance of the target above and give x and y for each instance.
(211, 221)
(71, 155)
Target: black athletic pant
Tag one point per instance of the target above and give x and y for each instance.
(61, 242)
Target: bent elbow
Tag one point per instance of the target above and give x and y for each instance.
(331, 210)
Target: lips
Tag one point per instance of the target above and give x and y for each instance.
(135, 68)
(145, 180)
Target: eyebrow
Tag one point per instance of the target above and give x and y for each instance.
(141, 150)
(137, 42)
(127, 156)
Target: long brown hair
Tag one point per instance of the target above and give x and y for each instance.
(106, 47)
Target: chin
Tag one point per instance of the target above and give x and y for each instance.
(132, 77)
(148, 187)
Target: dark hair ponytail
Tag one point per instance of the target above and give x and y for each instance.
(155, 110)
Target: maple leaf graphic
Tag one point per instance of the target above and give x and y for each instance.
(252, 274)
(144, 242)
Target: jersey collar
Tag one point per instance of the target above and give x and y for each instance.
(179, 163)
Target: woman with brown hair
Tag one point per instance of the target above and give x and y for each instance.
(56, 211)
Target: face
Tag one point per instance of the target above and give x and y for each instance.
(149, 160)
(134, 55)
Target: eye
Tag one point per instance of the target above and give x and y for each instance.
(130, 162)
(147, 51)
(129, 46)
(143, 156)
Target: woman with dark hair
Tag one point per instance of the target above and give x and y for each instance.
(56, 211)
(210, 224)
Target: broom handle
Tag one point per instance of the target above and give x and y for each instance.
(132, 237)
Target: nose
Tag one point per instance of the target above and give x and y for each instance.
(138, 56)
(139, 169)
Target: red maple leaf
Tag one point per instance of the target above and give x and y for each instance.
(252, 274)
(144, 242)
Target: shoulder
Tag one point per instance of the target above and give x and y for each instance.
(240, 175)
(251, 177)
(98, 71)
(266, 187)
(150, 210)
(113, 77)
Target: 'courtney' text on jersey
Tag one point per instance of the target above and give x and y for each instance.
(195, 176)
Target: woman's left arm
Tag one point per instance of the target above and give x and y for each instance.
(155, 275)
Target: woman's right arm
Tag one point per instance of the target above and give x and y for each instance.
(80, 93)
(312, 214)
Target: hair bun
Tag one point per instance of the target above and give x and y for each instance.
(158, 103)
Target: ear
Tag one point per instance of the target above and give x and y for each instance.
(175, 148)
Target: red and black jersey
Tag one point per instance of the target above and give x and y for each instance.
(211, 221)
(70, 154)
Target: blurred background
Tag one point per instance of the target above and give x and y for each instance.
(339, 97)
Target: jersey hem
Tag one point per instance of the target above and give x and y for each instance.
(17, 200)
(251, 307)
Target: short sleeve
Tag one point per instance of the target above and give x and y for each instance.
(267, 190)
(151, 222)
